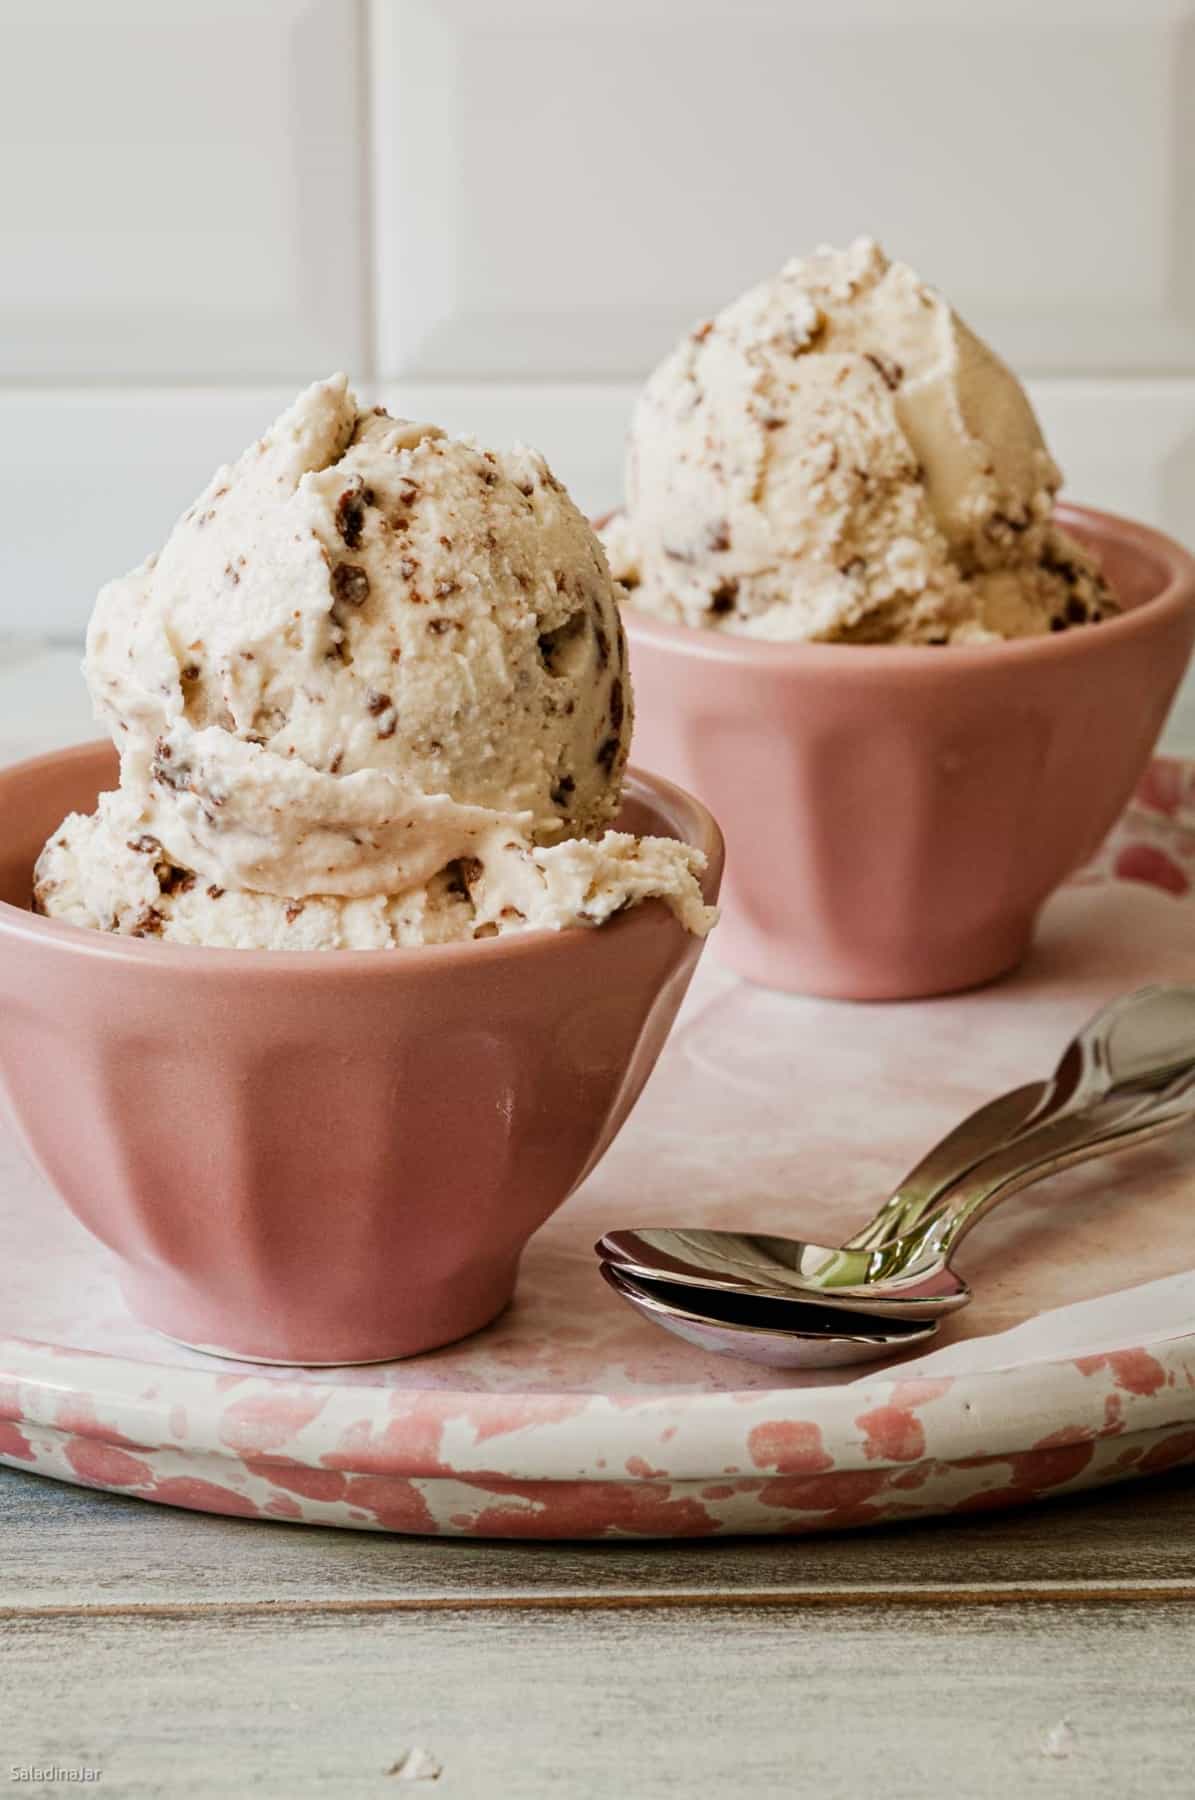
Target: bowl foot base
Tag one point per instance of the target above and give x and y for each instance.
(408, 1326)
(910, 972)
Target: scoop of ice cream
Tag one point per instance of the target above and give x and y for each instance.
(836, 456)
(372, 685)
(361, 614)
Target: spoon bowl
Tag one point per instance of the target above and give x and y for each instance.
(758, 1266)
(780, 1334)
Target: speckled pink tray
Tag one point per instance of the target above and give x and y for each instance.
(573, 1417)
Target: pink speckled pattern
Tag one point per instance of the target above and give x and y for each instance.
(571, 1417)
(895, 817)
(323, 1157)
(1154, 840)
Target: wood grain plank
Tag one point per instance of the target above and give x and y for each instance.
(908, 1703)
(66, 1547)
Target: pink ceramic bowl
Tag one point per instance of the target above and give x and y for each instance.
(323, 1157)
(895, 817)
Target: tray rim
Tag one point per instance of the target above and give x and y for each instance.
(991, 1413)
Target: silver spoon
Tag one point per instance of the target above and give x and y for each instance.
(1121, 1062)
(796, 1331)
(763, 1331)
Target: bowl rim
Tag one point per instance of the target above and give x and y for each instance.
(870, 662)
(32, 930)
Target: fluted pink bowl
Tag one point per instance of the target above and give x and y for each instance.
(323, 1157)
(895, 817)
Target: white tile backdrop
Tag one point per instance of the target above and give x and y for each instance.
(499, 215)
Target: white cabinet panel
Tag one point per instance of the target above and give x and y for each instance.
(561, 188)
(1126, 446)
(182, 189)
(93, 481)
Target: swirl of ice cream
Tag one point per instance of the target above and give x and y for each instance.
(373, 690)
(836, 456)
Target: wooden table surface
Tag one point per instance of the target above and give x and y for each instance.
(1045, 1652)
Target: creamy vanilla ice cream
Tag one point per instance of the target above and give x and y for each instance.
(372, 692)
(836, 456)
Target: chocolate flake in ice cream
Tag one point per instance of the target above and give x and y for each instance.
(837, 457)
(372, 692)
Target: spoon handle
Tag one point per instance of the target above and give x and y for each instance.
(1099, 1130)
(970, 1143)
(1138, 1043)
